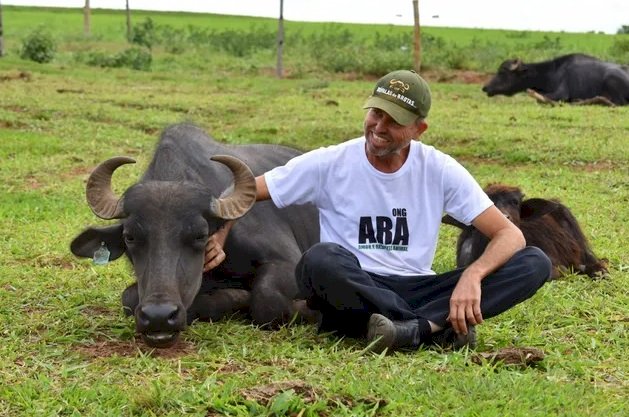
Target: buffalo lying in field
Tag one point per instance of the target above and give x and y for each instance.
(574, 78)
(547, 224)
(191, 187)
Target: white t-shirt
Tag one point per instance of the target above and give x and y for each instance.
(389, 221)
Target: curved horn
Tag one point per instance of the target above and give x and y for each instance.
(100, 197)
(243, 196)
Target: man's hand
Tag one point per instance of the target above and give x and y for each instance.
(214, 253)
(465, 304)
(505, 239)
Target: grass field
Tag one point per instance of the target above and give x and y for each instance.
(193, 41)
(67, 350)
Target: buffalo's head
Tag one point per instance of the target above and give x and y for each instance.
(511, 78)
(163, 229)
(510, 201)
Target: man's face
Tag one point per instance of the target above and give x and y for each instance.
(387, 137)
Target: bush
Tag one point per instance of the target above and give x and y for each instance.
(619, 51)
(38, 46)
(240, 43)
(143, 34)
(134, 58)
(548, 44)
(173, 40)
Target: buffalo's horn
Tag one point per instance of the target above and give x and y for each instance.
(235, 204)
(100, 196)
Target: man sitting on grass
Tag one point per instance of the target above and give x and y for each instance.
(381, 198)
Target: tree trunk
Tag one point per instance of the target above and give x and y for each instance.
(418, 40)
(280, 43)
(86, 18)
(1, 33)
(128, 22)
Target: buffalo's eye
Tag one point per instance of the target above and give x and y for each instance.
(129, 239)
(198, 240)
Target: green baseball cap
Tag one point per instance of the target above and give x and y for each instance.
(402, 94)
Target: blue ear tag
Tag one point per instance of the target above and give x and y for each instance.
(101, 255)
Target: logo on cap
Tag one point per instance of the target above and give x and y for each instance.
(396, 91)
(398, 86)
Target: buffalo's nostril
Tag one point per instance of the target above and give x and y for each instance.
(172, 319)
(142, 319)
(163, 316)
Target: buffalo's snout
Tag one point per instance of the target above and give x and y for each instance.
(487, 90)
(160, 323)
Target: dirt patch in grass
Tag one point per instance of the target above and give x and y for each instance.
(264, 395)
(53, 261)
(606, 165)
(525, 356)
(230, 367)
(142, 106)
(78, 171)
(95, 310)
(431, 75)
(149, 130)
(15, 108)
(16, 76)
(108, 348)
(70, 91)
(457, 76)
(595, 166)
(32, 183)
(11, 124)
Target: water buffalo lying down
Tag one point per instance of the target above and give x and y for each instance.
(547, 224)
(574, 78)
(191, 187)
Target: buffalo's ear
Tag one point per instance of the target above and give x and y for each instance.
(515, 64)
(447, 219)
(85, 244)
(534, 208)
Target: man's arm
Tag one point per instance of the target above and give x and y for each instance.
(505, 239)
(214, 253)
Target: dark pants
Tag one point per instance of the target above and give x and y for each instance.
(330, 278)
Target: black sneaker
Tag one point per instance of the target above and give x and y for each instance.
(383, 333)
(449, 339)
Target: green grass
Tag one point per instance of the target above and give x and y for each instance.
(191, 41)
(67, 350)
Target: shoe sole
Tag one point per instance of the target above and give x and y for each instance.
(380, 333)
